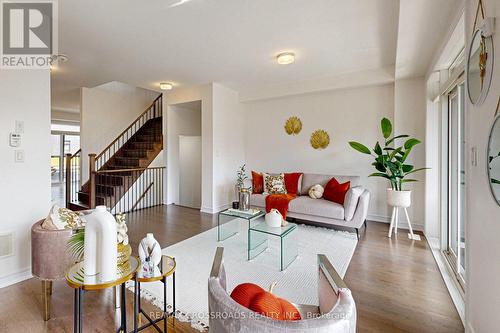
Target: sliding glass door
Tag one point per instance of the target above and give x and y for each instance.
(455, 251)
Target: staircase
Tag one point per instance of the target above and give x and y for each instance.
(120, 177)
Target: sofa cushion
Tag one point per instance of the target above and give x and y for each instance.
(274, 184)
(257, 183)
(311, 179)
(316, 207)
(334, 191)
(293, 182)
(258, 200)
(351, 201)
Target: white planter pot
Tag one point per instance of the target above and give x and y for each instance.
(398, 198)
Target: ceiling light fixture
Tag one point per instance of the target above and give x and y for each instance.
(285, 58)
(166, 86)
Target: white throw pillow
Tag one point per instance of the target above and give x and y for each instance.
(316, 191)
(62, 218)
(274, 184)
(351, 201)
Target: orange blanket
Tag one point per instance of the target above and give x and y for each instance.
(279, 202)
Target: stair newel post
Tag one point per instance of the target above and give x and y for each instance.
(68, 180)
(92, 170)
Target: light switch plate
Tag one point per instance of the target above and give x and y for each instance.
(19, 156)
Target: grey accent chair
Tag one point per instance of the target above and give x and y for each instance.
(335, 313)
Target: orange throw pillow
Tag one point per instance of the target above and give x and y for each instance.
(292, 182)
(257, 183)
(264, 302)
(336, 192)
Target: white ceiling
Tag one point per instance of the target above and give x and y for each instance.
(232, 42)
(423, 26)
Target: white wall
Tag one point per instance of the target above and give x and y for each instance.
(182, 119)
(201, 93)
(25, 194)
(229, 144)
(483, 213)
(347, 115)
(410, 118)
(106, 111)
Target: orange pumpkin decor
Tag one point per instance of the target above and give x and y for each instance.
(264, 302)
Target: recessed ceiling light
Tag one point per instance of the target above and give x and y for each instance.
(166, 86)
(285, 58)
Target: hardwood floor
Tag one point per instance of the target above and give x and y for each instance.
(395, 282)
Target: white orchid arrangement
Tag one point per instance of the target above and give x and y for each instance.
(121, 229)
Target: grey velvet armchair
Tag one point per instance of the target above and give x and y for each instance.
(335, 313)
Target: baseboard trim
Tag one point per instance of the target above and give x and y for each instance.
(14, 278)
(215, 210)
(402, 222)
(449, 280)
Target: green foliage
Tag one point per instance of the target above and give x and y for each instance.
(76, 244)
(241, 176)
(390, 159)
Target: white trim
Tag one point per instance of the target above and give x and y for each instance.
(387, 219)
(215, 210)
(450, 281)
(469, 329)
(16, 277)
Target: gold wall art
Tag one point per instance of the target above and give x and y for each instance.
(293, 126)
(320, 139)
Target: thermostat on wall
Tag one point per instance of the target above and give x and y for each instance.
(15, 140)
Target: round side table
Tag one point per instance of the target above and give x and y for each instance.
(76, 278)
(165, 269)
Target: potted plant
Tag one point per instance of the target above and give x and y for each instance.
(390, 163)
(242, 192)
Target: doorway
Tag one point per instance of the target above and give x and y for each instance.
(65, 139)
(184, 141)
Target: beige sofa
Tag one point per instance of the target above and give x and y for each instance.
(351, 215)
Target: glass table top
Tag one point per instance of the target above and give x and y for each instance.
(276, 231)
(76, 277)
(250, 214)
(155, 273)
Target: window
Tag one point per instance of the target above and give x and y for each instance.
(455, 231)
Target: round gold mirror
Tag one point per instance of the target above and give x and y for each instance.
(493, 161)
(479, 67)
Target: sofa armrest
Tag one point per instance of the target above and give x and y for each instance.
(218, 271)
(361, 211)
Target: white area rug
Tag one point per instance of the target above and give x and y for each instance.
(298, 283)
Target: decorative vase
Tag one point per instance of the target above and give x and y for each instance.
(100, 249)
(274, 219)
(398, 198)
(150, 250)
(244, 202)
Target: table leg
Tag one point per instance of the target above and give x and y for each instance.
(75, 313)
(173, 294)
(123, 308)
(165, 314)
(136, 303)
(139, 302)
(80, 310)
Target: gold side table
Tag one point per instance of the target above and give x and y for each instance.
(165, 269)
(76, 278)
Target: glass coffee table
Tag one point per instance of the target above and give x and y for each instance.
(226, 229)
(258, 241)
